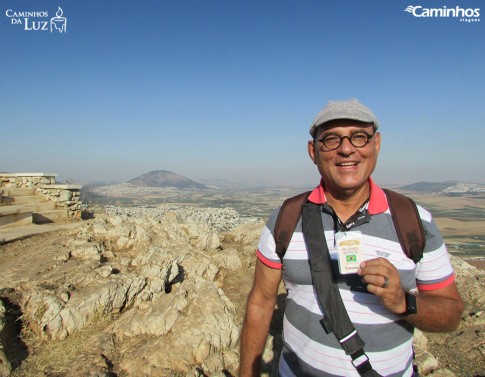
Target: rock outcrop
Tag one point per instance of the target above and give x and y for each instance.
(157, 282)
(5, 367)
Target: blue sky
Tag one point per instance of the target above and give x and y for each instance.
(228, 89)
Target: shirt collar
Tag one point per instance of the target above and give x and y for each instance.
(377, 201)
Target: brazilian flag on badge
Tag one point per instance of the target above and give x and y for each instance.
(351, 258)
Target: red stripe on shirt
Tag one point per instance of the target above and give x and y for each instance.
(268, 262)
(432, 287)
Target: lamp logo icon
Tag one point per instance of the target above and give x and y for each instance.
(59, 22)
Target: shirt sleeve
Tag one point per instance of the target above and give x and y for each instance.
(434, 270)
(266, 251)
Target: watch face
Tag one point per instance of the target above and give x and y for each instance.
(411, 307)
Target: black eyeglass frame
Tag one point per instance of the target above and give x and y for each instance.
(341, 138)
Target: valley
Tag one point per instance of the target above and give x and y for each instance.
(461, 218)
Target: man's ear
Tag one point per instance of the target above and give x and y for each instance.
(378, 142)
(311, 151)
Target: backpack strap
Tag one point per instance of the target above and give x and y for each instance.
(336, 319)
(286, 221)
(404, 213)
(407, 222)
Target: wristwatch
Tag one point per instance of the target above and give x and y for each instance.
(411, 306)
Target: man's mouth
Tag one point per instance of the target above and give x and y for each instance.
(347, 164)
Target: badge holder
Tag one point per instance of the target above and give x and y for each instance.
(349, 247)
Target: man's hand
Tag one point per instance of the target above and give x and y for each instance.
(383, 280)
(439, 310)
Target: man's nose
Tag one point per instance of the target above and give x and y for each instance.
(345, 145)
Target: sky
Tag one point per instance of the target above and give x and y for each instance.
(228, 89)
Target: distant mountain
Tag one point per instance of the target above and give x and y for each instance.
(447, 187)
(429, 186)
(163, 178)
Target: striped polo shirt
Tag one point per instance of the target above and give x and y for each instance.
(307, 349)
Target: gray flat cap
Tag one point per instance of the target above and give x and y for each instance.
(348, 109)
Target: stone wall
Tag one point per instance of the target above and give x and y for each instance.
(26, 180)
(66, 196)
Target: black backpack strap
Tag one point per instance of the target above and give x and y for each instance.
(408, 224)
(286, 221)
(336, 318)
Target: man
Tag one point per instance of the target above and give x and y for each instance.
(345, 145)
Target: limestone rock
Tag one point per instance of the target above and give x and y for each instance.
(427, 363)
(5, 367)
(420, 341)
(441, 373)
(52, 318)
(191, 326)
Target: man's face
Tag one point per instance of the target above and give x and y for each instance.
(346, 169)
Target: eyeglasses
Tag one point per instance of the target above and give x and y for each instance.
(358, 140)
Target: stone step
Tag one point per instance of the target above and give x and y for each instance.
(14, 192)
(33, 207)
(6, 200)
(50, 216)
(23, 214)
(13, 216)
(27, 199)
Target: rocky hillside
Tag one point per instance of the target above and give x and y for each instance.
(163, 178)
(163, 293)
(447, 188)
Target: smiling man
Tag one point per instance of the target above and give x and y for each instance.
(386, 295)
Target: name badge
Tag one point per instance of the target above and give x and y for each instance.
(349, 245)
